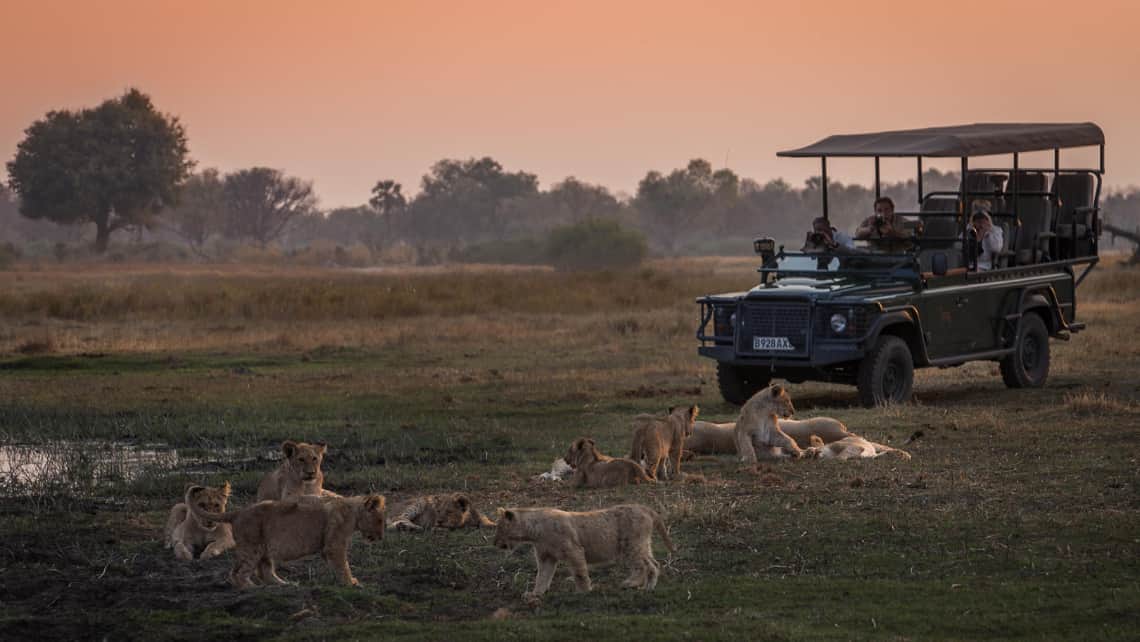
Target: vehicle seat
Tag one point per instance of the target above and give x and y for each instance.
(1075, 195)
(1031, 244)
(940, 227)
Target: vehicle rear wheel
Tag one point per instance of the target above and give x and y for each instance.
(886, 374)
(1028, 366)
(739, 383)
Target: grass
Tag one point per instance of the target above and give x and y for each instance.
(1017, 517)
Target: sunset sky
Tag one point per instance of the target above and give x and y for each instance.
(348, 92)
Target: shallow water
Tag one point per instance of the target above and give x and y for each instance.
(70, 465)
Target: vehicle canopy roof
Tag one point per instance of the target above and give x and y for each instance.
(980, 139)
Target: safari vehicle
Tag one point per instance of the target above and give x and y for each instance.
(869, 317)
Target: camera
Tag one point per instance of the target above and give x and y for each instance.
(817, 238)
(879, 220)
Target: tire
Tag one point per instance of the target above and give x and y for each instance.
(1028, 366)
(738, 383)
(886, 374)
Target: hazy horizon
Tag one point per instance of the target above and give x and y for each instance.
(347, 93)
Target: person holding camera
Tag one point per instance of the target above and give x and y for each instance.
(990, 238)
(825, 238)
(882, 226)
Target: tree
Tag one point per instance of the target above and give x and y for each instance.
(582, 201)
(200, 212)
(465, 200)
(388, 201)
(260, 202)
(115, 165)
(672, 204)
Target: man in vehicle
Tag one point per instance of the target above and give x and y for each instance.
(990, 237)
(882, 226)
(825, 238)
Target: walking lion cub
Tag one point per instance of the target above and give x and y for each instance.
(279, 531)
(658, 441)
(620, 532)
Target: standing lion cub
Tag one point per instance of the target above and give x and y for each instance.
(658, 441)
(279, 531)
(580, 539)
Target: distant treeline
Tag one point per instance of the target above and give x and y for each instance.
(86, 184)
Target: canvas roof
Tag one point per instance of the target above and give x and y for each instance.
(981, 139)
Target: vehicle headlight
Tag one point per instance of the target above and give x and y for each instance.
(838, 323)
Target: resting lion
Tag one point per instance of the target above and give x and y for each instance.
(658, 441)
(299, 473)
(449, 511)
(850, 447)
(279, 531)
(192, 537)
(594, 470)
(720, 439)
(580, 539)
(759, 424)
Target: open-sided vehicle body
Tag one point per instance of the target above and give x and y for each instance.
(870, 317)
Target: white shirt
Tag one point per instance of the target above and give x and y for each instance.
(991, 244)
(843, 239)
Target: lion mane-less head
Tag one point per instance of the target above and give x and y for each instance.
(453, 511)
(370, 518)
(512, 529)
(686, 416)
(304, 459)
(582, 450)
(776, 400)
(210, 499)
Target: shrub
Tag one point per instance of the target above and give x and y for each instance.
(514, 252)
(595, 244)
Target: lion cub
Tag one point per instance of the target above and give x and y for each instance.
(658, 441)
(299, 474)
(594, 470)
(279, 531)
(580, 539)
(450, 511)
(850, 447)
(191, 536)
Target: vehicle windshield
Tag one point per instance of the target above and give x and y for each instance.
(794, 263)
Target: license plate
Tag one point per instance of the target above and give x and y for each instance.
(771, 344)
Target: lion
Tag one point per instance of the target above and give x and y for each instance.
(658, 441)
(594, 470)
(580, 539)
(720, 438)
(192, 537)
(850, 447)
(449, 511)
(279, 531)
(759, 423)
(299, 473)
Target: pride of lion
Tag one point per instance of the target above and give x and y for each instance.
(296, 516)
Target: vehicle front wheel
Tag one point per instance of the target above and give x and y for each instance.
(739, 383)
(1028, 365)
(886, 374)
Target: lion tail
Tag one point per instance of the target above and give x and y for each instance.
(659, 526)
(205, 514)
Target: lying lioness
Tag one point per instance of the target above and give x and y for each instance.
(299, 473)
(591, 470)
(719, 438)
(450, 511)
(580, 539)
(850, 447)
(279, 531)
(192, 537)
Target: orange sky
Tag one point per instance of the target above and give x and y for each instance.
(348, 92)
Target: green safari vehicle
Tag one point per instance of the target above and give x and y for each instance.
(869, 316)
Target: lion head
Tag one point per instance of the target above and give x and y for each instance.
(370, 517)
(775, 399)
(209, 499)
(583, 450)
(454, 511)
(686, 417)
(510, 530)
(304, 460)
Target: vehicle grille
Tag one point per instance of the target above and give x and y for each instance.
(775, 319)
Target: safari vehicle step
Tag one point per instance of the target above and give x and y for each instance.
(871, 315)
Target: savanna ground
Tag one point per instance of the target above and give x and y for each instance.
(1018, 517)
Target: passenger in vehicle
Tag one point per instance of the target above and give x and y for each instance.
(882, 226)
(825, 238)
(990, 237)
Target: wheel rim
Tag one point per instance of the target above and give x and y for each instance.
(1030, 353)
(892, 381)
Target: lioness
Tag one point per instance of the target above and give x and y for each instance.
(450, 511)
(850, 447)
(299, 473)
(279, 531)
(658, 441)
(591, 470)
(580, 539)
(759, 423)
(720, 439)
(192, 537)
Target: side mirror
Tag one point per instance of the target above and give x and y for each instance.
(938, 264)
(766, 248)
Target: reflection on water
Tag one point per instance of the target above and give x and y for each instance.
(74, 466)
